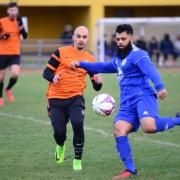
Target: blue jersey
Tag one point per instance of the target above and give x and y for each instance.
(133, 73)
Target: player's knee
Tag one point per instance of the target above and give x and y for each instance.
(148, 125)
(15, 72)
(60, 135)
(122, 128)
(120, 132)
(149, 128)
(15, 75)
(78, 129)
(2, 76)
(77, 122)
(1, 80)
(58, 132)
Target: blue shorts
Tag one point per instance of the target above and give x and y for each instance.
(136, 108)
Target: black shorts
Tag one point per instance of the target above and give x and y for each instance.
(8, 60)
(65, 104)
(63, 109)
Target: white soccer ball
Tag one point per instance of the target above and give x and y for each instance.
(103, 104)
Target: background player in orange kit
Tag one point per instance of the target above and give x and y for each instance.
(11, 28)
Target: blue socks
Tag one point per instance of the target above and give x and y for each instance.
(123, 146)
(124, 151)
(164, 123)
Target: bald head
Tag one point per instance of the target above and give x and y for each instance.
(81, 37)
(81, 29)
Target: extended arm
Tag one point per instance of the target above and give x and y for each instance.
(98, 67)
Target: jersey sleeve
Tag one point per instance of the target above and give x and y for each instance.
(54, 61)
(99, 67)
(51, 67)
(148, 69)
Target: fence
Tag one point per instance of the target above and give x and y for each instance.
(36, 52)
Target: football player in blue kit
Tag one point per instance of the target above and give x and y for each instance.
(138, 100)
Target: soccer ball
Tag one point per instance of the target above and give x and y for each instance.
(103, 104)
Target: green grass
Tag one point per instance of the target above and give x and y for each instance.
(27, 145)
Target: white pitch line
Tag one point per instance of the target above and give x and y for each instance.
(157, 142)
(100, 131)
(24, 118)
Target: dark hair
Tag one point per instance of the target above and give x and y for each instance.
(166, 36)
(124, 28)
(12, 4)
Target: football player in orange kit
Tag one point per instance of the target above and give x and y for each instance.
(65, 93)
(11, 28)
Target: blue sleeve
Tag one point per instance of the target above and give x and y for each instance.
(99, 67)
(148, 68)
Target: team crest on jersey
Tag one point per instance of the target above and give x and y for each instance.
(123, 62)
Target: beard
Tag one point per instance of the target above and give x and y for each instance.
(123, 52)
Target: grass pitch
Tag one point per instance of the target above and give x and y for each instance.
(27, 146)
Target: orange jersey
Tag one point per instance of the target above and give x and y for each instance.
(10, 46)
(72, 81)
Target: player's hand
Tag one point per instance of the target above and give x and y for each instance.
(98, 78)
(5, 36)
(56, 78)
(162, 94)
(74, 64)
